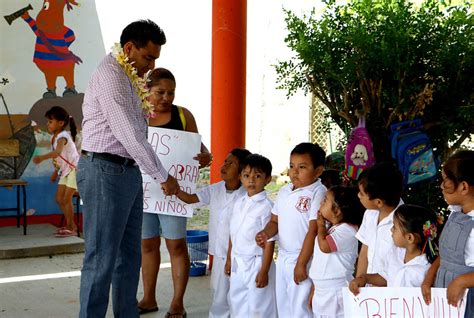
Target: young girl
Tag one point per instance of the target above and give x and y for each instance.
(65, 158)
(335, 250)
(454, 268)
(414, 234)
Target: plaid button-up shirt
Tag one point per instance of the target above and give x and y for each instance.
(113, 119)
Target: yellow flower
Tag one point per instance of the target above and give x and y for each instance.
(138, 83)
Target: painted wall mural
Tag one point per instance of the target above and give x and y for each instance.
(50, 55)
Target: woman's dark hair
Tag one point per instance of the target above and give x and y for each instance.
(348, 202)
(141, 32)
(259, 163)
(60, 114)
(460, 167)
(412, 219)
(240, 154)
(158, 74)
(382, 181)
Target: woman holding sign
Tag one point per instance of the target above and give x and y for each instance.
(162, 86)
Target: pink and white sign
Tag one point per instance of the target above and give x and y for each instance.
(176, 150)
(391, 302)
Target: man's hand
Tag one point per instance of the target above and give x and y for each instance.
(170, 186)
(227, 266)
(261, 238)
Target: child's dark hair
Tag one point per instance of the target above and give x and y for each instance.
(240, 154)
(317, 154)
(60, 114)
(331, 178)
(348, 202)
(460, 167)
(382, 181)
(421, 222)
(259, 163)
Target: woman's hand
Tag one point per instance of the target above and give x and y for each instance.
(227, 267)
(204, 158)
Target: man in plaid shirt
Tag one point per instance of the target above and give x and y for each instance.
(109, 180)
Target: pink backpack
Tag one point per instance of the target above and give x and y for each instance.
(359, 152)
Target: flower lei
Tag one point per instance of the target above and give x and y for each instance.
(138, 83)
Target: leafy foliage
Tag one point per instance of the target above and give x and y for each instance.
(388, 60)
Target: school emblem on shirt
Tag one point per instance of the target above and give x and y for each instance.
(303, 204)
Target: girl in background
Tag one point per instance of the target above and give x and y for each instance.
(65, 157)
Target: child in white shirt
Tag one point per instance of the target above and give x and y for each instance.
(251, 269)
(220, 197)
(335, 250)
(380, 189)
(297, 203)
(414, 233)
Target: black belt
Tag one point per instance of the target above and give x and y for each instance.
(109, 157)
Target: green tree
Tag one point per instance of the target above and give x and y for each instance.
(389, 60)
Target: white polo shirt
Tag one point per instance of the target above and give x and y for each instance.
(295, 208)
(340, 262)
(377, 237)
(220, 203)
(397, 273)
(250, 215)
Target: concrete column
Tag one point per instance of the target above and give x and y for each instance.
(229, 45)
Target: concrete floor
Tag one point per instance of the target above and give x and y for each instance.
(23, 295)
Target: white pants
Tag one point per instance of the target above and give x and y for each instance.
(246, 300)
(219, 290)
(327, 300)
(292, 300)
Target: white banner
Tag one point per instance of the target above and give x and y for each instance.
(176, 150)
(400, 302)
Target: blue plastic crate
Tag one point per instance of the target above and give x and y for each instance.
(198, 242)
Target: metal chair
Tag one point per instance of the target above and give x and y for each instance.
(11, 148)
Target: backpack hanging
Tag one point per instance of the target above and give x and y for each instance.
(359, 151)
(412, 151)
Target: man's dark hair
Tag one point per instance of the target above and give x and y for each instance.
(259, 163)
(141, 32)
(317, 154)
(240, 154)
(383, 181)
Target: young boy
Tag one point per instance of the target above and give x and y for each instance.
(251, 269)
(380, 190)
(297, 203)
(220, 197)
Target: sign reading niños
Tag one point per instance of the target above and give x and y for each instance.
(176, 150)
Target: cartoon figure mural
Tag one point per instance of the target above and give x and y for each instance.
(52, 55)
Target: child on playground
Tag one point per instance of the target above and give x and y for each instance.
(220, 197)
(414, 234)
(380, 190)
(454, 268)
(251, 268)
(335, 250)
(65, 157)
(296, 204)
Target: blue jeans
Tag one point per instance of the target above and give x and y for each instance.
(113, 209)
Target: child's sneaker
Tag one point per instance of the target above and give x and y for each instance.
(66, 233)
